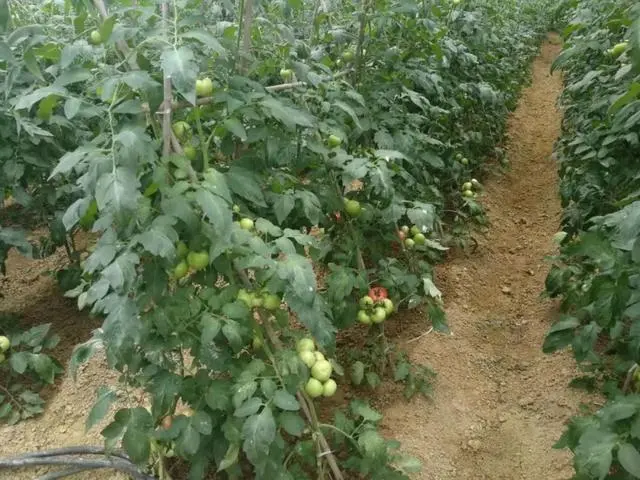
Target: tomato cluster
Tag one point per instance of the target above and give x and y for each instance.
(411, 236)
(320, 383)
(375, 307)
(468, 188)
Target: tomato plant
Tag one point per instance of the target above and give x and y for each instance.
(217, 194)
(595, 274)
(24, 367)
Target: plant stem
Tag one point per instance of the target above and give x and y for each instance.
(359, 48)
(203, 143)
(11, 398)
(341, 432)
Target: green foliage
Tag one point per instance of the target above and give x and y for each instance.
(383, 102)
(24, 369)
(597, 269)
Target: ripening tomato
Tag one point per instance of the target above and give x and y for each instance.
(388, 306)
(314, 388)
(180, 270)
(420, 239)
(198, 260)
(334, 141)
(363, 317)
(95, 37)
(271, 302)
(307, 357)
(366, 301)
(182, 250)
(352, 207)
(379, 315)
(167, 422)
(305, 344)
(204, 87)
(329, 388)
(246, 224)
(321, 370)
(378, 293)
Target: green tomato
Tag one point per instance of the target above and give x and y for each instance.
(308, 358)
(95, 37)
(366, 301)
(467, 193)
(190, 152)
(245, 296)
(180, 270)
(619, 48)
(204, 87)
(347, 56)
(321, 370)
(246, 224)
(458, 156)
(388, 306)
(180, 174)
(409, 243)
(464, 161)
(319, 356)
(334, 141)
(467, 186)
(305, 344)
(271, 302)
(5, 343)
(404, 229)
(420, 239)
(329, 388)
(182, 129)
(198, 260)
(286, 74)
(363, 317)
(182, 250)
(475, 183)
(352, 207)
(456, 2)
(415, 230)
(379, 315)
(314, 388)
(256, 301)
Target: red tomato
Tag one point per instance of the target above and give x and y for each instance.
(378, 293)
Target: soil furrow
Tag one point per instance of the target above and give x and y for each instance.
(500, 403)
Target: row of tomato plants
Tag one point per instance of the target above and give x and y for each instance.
(597, 270)
(241, 227)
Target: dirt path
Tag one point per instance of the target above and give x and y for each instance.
(499, 402)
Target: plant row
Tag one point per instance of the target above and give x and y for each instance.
(597, 270)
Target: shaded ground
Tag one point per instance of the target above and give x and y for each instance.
(500, 403)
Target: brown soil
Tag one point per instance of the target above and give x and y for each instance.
(499, 402)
